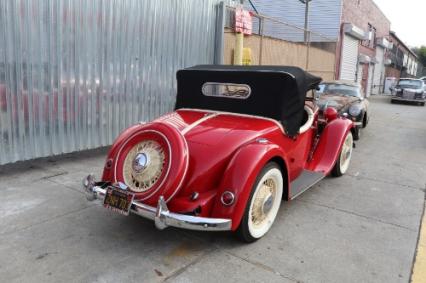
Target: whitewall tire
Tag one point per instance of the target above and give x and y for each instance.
(263, 204)
(344, 159)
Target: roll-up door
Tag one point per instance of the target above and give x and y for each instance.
(349, 59)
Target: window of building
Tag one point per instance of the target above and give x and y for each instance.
(370, 41)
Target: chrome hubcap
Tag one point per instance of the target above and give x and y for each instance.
(267, 204)
(140, 162)
(144, 165)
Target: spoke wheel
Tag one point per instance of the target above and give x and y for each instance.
(263, 204)
(344, 159)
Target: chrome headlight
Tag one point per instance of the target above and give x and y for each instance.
(355, 110)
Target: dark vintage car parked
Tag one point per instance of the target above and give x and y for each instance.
(240, 140)
(347, 99)
(409, 90)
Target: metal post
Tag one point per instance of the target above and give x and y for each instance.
(220, 36)
(306, 19)
(239, 43)
(261, 23)
(238, 51)
(308, 46)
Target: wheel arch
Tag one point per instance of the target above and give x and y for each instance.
(283, 167)
(329, 146)
(240, 176)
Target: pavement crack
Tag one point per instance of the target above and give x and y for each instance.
(54, 175)
(179, 271)
(66, 186)
(385, 182)
(262, 266)
(45, 221)
(359, 215)
(254, 263)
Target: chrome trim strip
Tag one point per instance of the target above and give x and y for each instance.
(198, 122)
(235, 114)
(161, 214)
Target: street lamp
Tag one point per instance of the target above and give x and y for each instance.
(306, 2)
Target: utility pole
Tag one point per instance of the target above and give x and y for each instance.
(306, 2)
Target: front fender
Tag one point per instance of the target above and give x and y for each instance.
(329, 146)
(240, 176)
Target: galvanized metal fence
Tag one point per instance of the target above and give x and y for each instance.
(74, 73)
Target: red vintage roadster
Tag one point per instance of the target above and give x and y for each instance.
(240, 140)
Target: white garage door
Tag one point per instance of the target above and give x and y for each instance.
(349, 58)
(378, 71)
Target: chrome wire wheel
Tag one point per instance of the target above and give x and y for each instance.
(265, 202)
(144, 165)
(346, 153)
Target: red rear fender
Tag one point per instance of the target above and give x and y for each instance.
(240, 176)
(329, 146)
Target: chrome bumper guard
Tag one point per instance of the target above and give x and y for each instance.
(161, 215)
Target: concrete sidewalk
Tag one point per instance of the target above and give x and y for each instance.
(362, 227)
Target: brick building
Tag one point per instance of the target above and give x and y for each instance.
(363, 41)
(403, 62)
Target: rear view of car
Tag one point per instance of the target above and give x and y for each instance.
(410, 90)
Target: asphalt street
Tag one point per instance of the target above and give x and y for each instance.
(362, 227)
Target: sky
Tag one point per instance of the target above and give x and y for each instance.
(408, 19)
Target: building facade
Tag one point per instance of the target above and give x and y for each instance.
(403, 62)
(364, 34)
(359, 27)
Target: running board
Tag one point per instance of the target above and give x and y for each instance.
(306, 180)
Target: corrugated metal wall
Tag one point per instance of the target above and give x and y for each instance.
(74, 73)
(324, 18)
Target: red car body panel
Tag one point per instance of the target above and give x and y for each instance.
(329, 146)
(226, 152)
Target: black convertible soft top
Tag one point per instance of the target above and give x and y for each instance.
(277, 92)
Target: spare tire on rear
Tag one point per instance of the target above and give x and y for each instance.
(152, 161)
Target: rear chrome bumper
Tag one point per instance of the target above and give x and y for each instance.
(161, 215)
